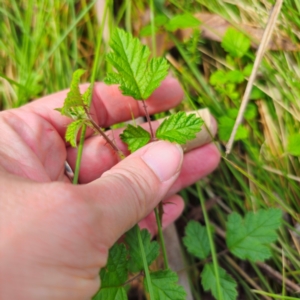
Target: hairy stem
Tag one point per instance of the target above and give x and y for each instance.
(148, 120)
(107, 139)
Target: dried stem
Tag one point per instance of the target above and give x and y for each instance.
(260, 53)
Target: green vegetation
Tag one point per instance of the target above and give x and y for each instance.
(42, 43)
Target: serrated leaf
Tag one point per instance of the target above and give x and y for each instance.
(135, 263)
(86, 96)
(227, 283)
(235, 43)
(186, 20)
(249, 238)
(293, 146)
(179, 128)
(165, 287)
(115, 272)
(196, 240)
(74, 103)
(137, 75)
(225, 128)
(135, 137)
(72, 132)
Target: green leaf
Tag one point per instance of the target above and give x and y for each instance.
(225, 128)
(293, 146)
(218, 78)
(227, 283)
(250, 238)
(159, 21)
(72, 132)
(112, 293)
(135, 137)
(235, 43)
(179, 128)
(135, 263)
(186, 20)
(235, 76)
(165, 286)
(256, 94)
(115, 272)
(74, 103)
(196, 240)
(114, 275)
(137, 75)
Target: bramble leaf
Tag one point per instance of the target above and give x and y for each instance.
(135, 137)
(115, 271)
(186, 20)
(72, 132)
(250, 237)
(74, 103)
(114, 275)
(135, 263)
(137, 75)
(196, 240)
(235, 43)
(179, 128)
(293, 146)
(227, 283)
(165, 287)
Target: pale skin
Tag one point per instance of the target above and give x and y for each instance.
(55, 236)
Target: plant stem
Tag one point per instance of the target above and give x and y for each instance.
(107, 139)
(161, 239)
(211, 242)
(148, 120)
(146, 269)
(93, 78)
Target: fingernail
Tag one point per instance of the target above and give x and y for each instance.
(164, 159)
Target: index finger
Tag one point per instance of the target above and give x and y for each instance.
(109, 106)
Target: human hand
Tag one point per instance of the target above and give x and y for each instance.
(55, 236)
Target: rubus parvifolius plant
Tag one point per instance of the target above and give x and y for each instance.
(247, 239)
(138, 76)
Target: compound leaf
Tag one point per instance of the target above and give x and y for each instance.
(196, 240)
(135, 263)
(227, 283)
(235, 43)
(72, 132)
(137, 75)
(135, 137)
(165, 287)
(179, 128)
(249, 238)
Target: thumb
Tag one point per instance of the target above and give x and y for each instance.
(129, 191)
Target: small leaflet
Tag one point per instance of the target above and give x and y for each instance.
(196, 240)
(72, 132)
(179, 128)
(249, 238)
(135, 262)
(137, 75)
(165, 286)
(227, 283)
(135, 137)
(114, 275)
